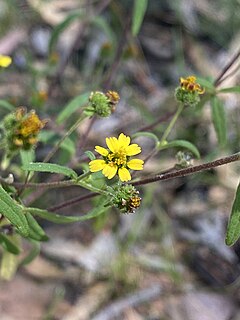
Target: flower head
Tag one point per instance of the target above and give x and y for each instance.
(102, 104)
(189, 84)
(22, 129)
(116, 160)
(5, 61)
(189, 90)
(125, 198)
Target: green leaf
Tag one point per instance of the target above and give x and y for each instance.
(36, 232)
(101, 23)
(50, 167)
(148, 135)
(61, 27)
(5, 104)
(90, 155)
(206, 83)
(9, 265)
(13, 212)
(182, 144)
(27, 156)
(74, 105)
(34, 252)
(233, 228)
(57, 218)
(8, 243)
(139, 9)
(235, 89)
(219, 120)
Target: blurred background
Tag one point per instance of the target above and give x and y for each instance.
(169, 259)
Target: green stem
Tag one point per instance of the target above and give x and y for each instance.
(67, 134)
(171, 124)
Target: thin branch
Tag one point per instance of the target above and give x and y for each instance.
(72, 201)
(188, 171)
(226, 68)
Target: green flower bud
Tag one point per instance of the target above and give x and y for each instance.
(125, 198)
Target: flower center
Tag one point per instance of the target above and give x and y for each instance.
(117, 159)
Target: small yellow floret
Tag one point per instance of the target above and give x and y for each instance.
(116, 159)
(5, 61)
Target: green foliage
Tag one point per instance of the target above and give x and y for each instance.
(219, 120)
(182, 144)
(50, 167)
(74, 105)
(14, 213)
(233, 228)
(139, 10)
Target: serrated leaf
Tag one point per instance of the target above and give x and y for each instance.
(61, 27)
(74, 105)
(57, 218)
(219, 120)
(6, 105)
(233, 228)
(36, 232)
(50, 167)
(13, 212)
(139, 9)
(235, 89)
(8, 243)
(182, 144)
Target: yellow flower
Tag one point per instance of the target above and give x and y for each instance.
(189, 84)
(116, 160)
(5, 61)
(31, 125)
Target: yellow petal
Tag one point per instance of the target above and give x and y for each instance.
(109, 171)
(112, 144)
(5, 61)
(124, 174)
(135, 164)
(101, 150)
(96, 165)
(133, 149)
(123, 140)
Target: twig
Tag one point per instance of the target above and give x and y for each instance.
(116, 308)
(72, 201)
(191, 170)
(226, 68)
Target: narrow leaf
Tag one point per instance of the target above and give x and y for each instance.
(9, 265)
(233, 228)
(139, 10)
(5, 104)
(8, 243)
(148, 135)
(61, 27)
(219, 120)
(74, 105)
(13, 212)
(36, 232)
(57, 218)
(182, 144)
(235, 89)
(206, 83)
(50, 167)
